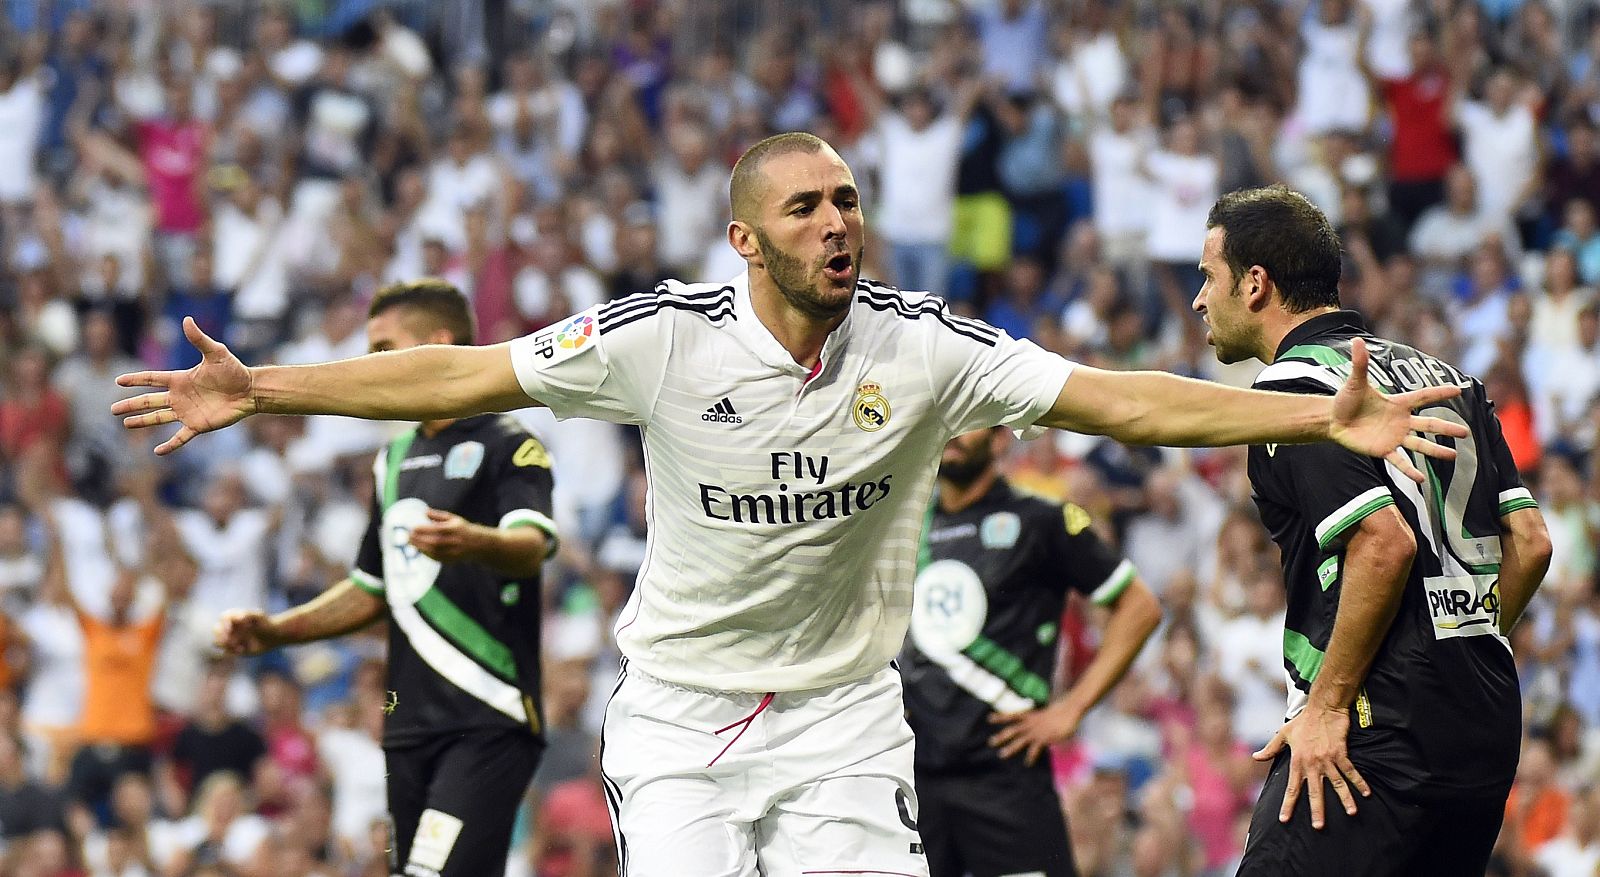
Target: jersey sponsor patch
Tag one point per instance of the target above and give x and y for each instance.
(408, 574)
(1463, 605)
(463, 460)
(1000, 530)
(422, 461)
(950, 609)
(436, 837)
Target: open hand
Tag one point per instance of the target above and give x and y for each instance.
(214, 394)
(1367, 421)
(1318, 749)
(446, 537)
(1034, 731)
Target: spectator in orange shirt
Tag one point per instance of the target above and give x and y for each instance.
(1536, 811)
(118, 723)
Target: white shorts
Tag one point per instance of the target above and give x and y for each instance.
(797, 783)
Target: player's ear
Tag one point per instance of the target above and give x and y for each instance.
(1257, 287)
(742, 237)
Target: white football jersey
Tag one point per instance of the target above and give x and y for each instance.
(785, 506)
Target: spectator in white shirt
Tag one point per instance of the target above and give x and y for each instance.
(690, 191)
(1332, 93)
(1183, 187)
(1559, 301)
(1093, 69)
(21, 118)
(230, 543)
(1121, 192)
(1249, 652)
(1501, 145)
(919, 149)
(1564, 382)
(1446, 233)
(354, 759)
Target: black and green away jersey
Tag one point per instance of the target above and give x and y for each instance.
(993, 580)
(463, 639)
(1440, 708)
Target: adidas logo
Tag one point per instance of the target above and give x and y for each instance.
(722, 412)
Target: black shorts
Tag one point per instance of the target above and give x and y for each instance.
(1391, 834)
(1002, 821)
(453, 802)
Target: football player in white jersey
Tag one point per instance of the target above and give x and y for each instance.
(793, 419)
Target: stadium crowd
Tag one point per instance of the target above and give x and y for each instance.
(1046, 165)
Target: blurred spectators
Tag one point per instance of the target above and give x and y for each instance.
(1046, 165)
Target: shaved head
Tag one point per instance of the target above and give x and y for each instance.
(745, 186)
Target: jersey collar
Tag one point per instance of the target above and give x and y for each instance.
(1342, 322)
(767, 349)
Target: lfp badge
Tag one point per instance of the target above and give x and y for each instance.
(576, 332)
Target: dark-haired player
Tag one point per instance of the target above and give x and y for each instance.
(460, 525)
(996, 570)
(1403, 694)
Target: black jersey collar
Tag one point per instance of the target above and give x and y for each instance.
(1343, 322)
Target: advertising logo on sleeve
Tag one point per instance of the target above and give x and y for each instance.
(553, 344)
(575, 332)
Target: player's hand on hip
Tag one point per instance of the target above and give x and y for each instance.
(446, 537)
(214, 394)
(1367, 421)
(244, 632)
(1317, 739)
(1032, 732)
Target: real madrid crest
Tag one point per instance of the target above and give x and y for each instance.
(871, 409)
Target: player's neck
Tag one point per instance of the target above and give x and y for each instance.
(431, 428)
(800, 333)
(1279, 324)
(954, 498)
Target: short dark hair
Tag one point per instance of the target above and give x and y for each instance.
(1283, 232)
(744, 181)
(437, 299)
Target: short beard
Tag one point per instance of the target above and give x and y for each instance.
(962, 473)
(796, 282)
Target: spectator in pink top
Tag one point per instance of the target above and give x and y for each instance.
(172, 148)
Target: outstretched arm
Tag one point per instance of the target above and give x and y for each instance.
(1156, 408)
(341, 609)
(432, 382)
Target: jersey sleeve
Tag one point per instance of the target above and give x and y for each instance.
(1087, 564)
(983, 377)
(522, 487)
(368, 571)
(1511, 495)
(1335, 489)
(596, 364)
